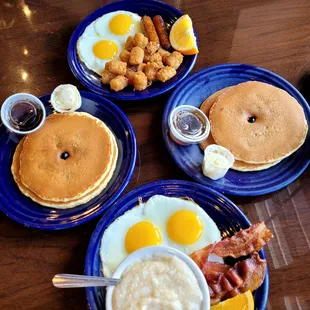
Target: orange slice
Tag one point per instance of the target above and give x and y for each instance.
(182, 36)
(243, 301)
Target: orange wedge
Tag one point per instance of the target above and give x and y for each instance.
(243, 301)
(182, 37)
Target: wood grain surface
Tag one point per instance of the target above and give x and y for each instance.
(274, 34)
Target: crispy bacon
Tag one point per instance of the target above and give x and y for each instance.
(226, 282)
(243, 243)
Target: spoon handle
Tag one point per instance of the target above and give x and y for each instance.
(72, 280)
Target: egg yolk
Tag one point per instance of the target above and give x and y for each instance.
(121, 24)
(141, 235)
(105, 49)
(185, 227)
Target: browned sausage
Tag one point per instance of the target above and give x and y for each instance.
(149, 29)
(161, 30)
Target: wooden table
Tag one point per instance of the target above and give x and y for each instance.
(34, 37)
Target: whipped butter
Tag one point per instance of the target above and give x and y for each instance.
(66, 98)
(217, 160)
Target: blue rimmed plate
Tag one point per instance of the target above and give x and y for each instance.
(23, 210)
(225, 214)
(193, 91)
(92, 80)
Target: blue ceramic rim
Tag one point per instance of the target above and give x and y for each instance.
(97, 234)
(221, 67)
(90, 216)
(78, 73)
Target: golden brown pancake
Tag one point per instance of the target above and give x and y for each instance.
(208, 103)
(279, 129)
(89, 143)
(54, 204)
(238, 165)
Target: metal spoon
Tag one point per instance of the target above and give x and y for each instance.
(73, 280)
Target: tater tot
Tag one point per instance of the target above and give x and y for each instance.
(163, 52)
(116, 66)
(152, 58)
(107, 76)
(160, 64)
(150, 70)
(141, 67)
(140, 81)
(129, 75)
(174, 60)
(152, 47)
(129, 44)
(136, 56)
(140, 40)
(124, 56)
(165, 74)
(119, 83)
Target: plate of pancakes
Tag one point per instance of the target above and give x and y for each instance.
(136, 9)
(222, 218)
(256, 114)
(71, 169)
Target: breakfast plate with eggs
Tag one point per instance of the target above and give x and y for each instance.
(264, 125)
(126, 37)
(182, 215)
(71, 169)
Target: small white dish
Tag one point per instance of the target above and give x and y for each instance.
(7, 104)
(148, 253)
(67, 95)
(179, 138)
(210, 168)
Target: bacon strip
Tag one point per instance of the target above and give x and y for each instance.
(226, 282)
(243, 243)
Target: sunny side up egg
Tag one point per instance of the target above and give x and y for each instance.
(162, 220)
(104, 39)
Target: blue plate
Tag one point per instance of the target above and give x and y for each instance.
(23, 210)
(92, 80)
(193, 91)
(225, 214)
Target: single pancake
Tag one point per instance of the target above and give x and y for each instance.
(258, 123)
(238, 165)
(54, 204)
(52, 177)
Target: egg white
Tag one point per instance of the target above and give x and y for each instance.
(85, 51)
(156, 210)
(101, 25)
(112, 250)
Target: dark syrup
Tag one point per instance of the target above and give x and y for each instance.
(25, 115)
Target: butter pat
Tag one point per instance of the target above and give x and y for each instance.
(217, 160)
(66, 98)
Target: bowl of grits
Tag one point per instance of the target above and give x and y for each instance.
(158, 276)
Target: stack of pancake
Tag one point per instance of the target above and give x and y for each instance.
(259, 123)
(69, 161)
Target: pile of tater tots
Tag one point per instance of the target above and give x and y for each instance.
(144, 59)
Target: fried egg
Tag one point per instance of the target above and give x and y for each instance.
(104, 38)
(169, 221)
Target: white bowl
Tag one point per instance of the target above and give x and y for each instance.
(19, 97)
(148, 253)
(177, 136)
